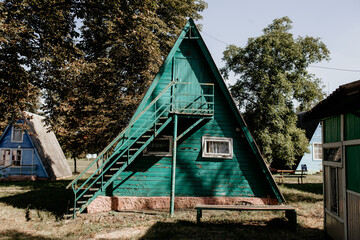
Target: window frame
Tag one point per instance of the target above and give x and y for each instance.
(10, 161)
(313, 152)
(206, 154)
(146, 152)
(13, 136)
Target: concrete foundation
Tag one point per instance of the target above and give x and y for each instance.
(105, 204)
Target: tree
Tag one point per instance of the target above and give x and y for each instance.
(91, 96)
(272, 70)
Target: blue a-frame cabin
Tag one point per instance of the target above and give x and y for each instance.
(31, 152)
(312, 161)
(186, 144)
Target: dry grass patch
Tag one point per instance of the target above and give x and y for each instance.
(34, 210)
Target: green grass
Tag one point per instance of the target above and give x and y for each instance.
(34, 210)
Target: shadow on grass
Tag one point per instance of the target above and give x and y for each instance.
(310, 192)
(316, 188)
(277, 228)
(43, 195)
(13, 234)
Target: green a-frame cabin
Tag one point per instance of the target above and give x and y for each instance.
(186, 144)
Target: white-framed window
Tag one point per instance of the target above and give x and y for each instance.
(10, 157)
(161, 146)
(16, 135)
(217, 147)
(317, 151)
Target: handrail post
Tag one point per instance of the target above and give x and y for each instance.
(173, 168)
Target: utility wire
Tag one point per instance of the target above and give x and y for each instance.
(328, 68)
(215, 38)
(336, 69)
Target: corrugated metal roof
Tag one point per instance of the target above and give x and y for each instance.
(343, 100)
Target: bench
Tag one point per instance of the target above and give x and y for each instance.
(299, 174)
(290, 212)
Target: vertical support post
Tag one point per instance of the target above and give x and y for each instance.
(173, 168)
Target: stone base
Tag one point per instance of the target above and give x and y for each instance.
(105, 204)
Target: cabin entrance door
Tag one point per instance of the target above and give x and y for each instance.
(188, 74)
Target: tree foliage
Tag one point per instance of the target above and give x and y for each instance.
(93, 60)
(272, 70)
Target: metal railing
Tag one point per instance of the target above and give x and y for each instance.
(18, 170)
(174, 98)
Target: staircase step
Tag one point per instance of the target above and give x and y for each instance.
(81, 202)
(94, 189)
(88, 195)
(68, 216)
(114, 169)
(146, 136)
(140, 142)
(72, 209)
(134, 149)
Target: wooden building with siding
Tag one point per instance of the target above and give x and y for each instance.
(186, 144)
(31, 153)
(340, 116)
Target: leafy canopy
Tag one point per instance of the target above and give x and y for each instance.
(92, 60)
(272, 71)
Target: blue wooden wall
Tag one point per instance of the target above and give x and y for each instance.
(308, 159)
(29, 155)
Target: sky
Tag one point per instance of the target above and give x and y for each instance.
(335, 22)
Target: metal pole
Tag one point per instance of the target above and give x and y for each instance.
(173, 168)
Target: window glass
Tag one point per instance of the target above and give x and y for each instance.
(161, 146)
(317, 151)
(5, 157)
(332, 154)
(17, 135)
(16, 157)
(333, 190)
(217, 147)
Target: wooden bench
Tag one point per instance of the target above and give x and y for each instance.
(299, 174)
(290, 212)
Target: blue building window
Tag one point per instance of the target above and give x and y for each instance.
(317, 151)
(17, 135)
(10, 157)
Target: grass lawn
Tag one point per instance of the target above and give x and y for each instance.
(34, 210)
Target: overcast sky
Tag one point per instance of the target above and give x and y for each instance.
(337, 23)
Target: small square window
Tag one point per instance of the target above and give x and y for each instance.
(161, 146)
(217, 147)
(317, 151)
(17, 135)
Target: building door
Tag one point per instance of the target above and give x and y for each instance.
(189, 74)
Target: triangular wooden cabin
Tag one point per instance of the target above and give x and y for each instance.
(186, 144)
(32, 154)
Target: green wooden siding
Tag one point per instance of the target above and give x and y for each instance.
(331, 128)
(352, 126)
(196, 176)
(353, 168)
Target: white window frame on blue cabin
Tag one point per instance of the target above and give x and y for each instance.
(313, 151)
(10, 161)
(146, 151)
(13, 135)
(207, 154)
